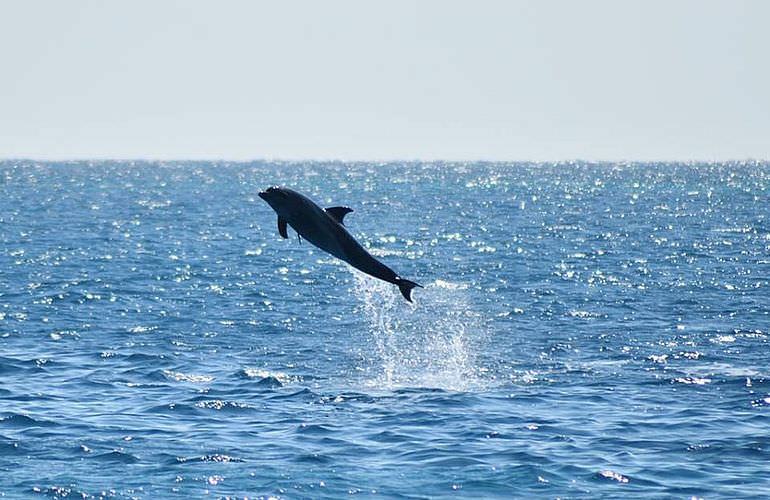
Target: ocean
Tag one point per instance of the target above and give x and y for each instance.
(584, 331)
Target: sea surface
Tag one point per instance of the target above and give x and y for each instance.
(584, 331)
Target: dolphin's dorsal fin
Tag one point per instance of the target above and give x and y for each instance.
(338, 213)
(282, 227)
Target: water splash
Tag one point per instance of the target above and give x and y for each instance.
(428, 344)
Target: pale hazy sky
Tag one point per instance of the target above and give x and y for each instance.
(419, 79)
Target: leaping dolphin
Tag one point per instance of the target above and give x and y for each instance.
(324, 228)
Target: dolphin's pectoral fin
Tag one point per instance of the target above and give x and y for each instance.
(338, 213)
(282, 227)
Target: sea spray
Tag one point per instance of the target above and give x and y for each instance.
(429, 344)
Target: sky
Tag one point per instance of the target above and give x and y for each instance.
(542, 80)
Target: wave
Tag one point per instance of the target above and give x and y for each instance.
(212, 458)
(267, 378)
(16, 420)
(116, 456)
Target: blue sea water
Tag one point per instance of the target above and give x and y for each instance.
(584, 331)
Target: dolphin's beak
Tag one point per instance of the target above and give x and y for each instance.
(263, 195)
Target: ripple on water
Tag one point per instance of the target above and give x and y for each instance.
(116, 457)
(224, 406)
(267, 378)
(301, 395)
(214, 457)
(187, 377)
(20, 421)
(9, 447)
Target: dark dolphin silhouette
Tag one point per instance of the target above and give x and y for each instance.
(324, 228)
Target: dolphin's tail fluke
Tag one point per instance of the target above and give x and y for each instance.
(406, 287)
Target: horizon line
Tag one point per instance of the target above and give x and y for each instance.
(160, 159)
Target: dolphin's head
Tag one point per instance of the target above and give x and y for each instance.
(278, 198)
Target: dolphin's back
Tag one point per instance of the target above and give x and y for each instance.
(322, 230)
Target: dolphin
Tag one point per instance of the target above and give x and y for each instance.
(324, 228)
